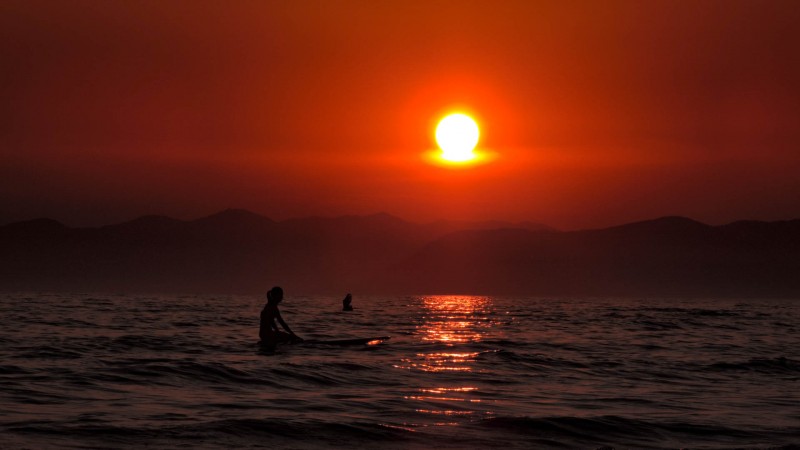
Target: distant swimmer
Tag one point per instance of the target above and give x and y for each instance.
(346, 306)
(268, 331)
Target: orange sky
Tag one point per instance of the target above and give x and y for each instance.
(600, 112)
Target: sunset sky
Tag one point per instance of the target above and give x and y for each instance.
(599, 113)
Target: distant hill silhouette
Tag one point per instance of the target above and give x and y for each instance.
(240, 251)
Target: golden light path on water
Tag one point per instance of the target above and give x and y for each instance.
(450, 323)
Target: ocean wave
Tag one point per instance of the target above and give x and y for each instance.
(188, 371)
(694, 311)
(233, 432)
(47, 352)
(611, 431)
(536, 362)
(9, 369)
(298, 377)
(657, 325)
(144, 342)
(780, 365)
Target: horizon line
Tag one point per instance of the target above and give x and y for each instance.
(546, 227)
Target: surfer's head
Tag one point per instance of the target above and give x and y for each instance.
(275, 295)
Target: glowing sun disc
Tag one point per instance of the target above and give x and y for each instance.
(457, 136)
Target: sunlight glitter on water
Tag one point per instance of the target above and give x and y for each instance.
(445, 361)
(451, 321)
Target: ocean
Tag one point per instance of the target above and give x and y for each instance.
(127, 371)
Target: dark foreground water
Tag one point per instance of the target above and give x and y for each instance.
(123, 371)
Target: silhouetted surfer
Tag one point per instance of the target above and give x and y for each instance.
(346, 306)
(268, 331)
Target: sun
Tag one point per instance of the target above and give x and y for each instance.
(457, 135)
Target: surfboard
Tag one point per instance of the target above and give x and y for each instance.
(359, 341)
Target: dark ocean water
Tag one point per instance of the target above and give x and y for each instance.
(119, 371)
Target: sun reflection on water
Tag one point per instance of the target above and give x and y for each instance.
(442, 362)
(450, 326)
(452, 319)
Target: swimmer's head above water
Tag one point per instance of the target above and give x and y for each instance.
(275, 295)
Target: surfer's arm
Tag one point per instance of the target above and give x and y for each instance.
(283, 324)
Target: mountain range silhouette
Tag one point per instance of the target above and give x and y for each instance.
(237, 251)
